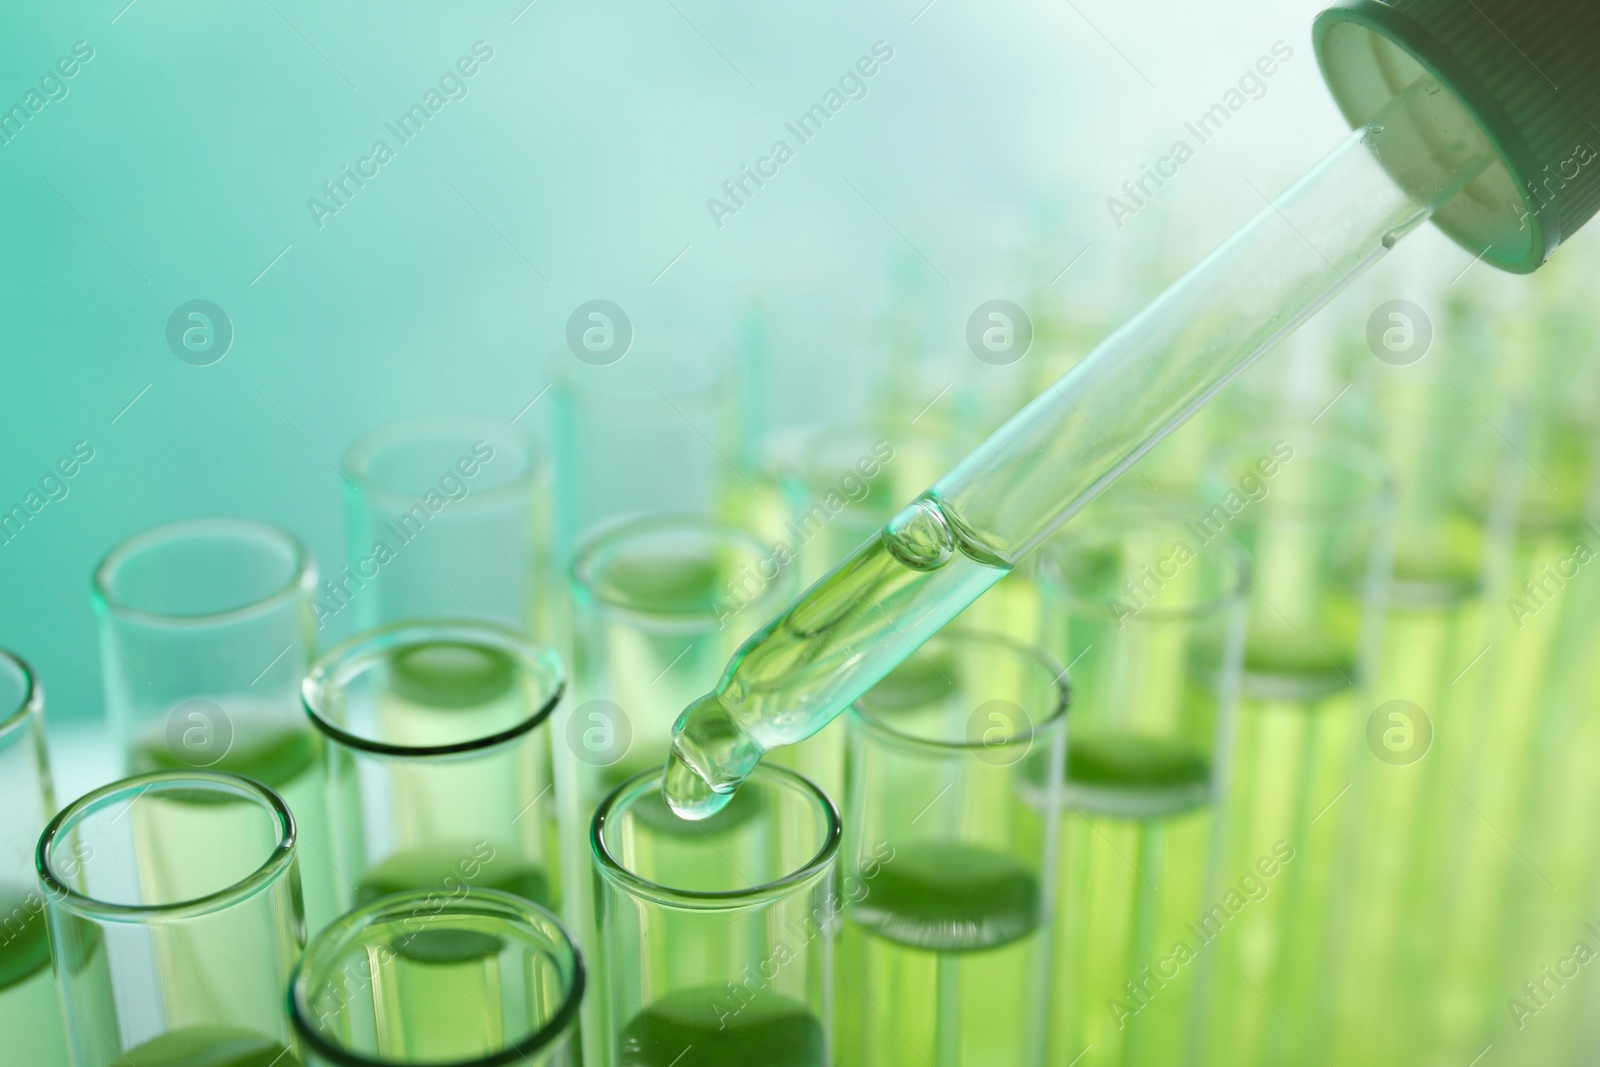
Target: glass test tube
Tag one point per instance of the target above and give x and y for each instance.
(448, 517)
(949, 868)
(657, 436)
(439, 759)
(475, 978)
(30, 1007)
(174, 909)
(716, 937)
(1147, 607)
(1315, 513)
(206, 630)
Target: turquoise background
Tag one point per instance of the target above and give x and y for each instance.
(578, 166)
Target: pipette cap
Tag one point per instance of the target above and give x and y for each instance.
(1525, 70)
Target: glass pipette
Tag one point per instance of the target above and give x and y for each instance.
(958, 538)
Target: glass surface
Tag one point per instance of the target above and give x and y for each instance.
(716, 937)
(206, 628)
(1147, 606)
(174, 910)
(475, 978)
(949, 857)
(962, 536)
(30, 1006)
(439, 770)
(448, 517)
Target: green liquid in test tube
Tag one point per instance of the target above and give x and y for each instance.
(1438, 137)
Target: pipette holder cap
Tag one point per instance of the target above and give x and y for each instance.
(1525, 70)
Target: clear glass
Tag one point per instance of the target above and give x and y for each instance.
(174, 909)
(944, 550)
(439, 760)
(656, 433)
(1315, 512)
(206, 629)
(950, 856)
(716, 937)
(448, 517)
(30, 1007)
(473, 978)
(1148, 609)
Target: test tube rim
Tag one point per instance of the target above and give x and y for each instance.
(601, 538)
(612, 869)
(360, 650)
(281, 857)
(32, 701)
(302, 580)
(483, 901)
(1232, 594)
(1055, 720)
(359, 456)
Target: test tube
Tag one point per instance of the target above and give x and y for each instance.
(1315, 513)
(448, 517)
(439, 759)
(1147, 607)
(659, 604)
(716, 937)
(30, 1008)
(470, 978)
(206, 629)
(174, 909)
(950, 845)
(660, 436)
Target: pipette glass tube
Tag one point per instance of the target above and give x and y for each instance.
(206, 629)
(1146, 602)
(659, 603)
(30, 1008)
(716, 937)
(465, 978)
(174, 912)
(1315, 513)
(449, 517)
(439, 760)
(961, 536)
(949, 869)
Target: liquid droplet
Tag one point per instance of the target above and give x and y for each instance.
(689, 795)
(919, 537)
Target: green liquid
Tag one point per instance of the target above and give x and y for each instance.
(845, 633)
(1135, 777)
(445, 867)
(663, 584)
(209, 1046)
(30, 1011)
(451, 674)
(940, 962)
(274, 758)
(950, 898)
(709, 1027)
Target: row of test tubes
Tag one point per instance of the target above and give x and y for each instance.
(1273, 755)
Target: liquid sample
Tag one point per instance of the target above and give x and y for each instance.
(845, 633)
(209, 1046)
(1136, 842)
(705, 1027)
(30, 1008)
(939, 962)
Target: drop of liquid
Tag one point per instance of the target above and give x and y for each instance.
(919, 536)
(688, 794)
